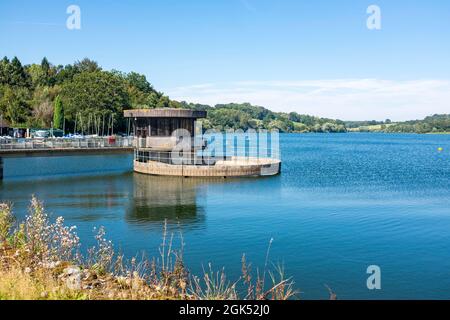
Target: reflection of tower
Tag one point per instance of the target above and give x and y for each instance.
(157, 198)
(175, 199)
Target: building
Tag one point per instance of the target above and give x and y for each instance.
(157, 136)
(153, 128)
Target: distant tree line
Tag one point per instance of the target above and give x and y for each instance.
(432, 124)
(245, 116)
(438, 123)
(359, 124)
(83, 97)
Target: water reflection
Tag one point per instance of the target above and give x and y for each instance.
(139, 200)
(77, 199)
(157, 198)
(180, 201)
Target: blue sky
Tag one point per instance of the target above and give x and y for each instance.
(314, 57)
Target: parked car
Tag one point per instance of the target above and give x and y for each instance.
(41, 134)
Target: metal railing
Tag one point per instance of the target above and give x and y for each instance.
(65, 143)
(202, 158)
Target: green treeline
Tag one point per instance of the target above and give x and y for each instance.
(438, 123)
(85, 97)
(79, 94)
(432, 124)
(245, 116)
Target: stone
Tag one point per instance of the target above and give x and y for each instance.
(72, 277)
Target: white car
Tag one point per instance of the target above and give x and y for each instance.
(41, 134)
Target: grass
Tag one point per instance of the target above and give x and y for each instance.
(371, 128)
(438, 133)
(41, 260)
(16, 284)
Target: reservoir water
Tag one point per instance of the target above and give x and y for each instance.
(343, 202)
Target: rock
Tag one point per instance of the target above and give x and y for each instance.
(87, 275)
(95, 283)
(72, 277)
(51, 265)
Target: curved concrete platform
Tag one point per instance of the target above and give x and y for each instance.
(236, 167)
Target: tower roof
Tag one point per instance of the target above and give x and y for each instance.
(164, 113)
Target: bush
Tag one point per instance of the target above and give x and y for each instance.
(42, 260)
(6, 221)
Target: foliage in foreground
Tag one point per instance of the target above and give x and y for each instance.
(42, 260)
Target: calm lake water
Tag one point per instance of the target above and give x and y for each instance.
(342, 202)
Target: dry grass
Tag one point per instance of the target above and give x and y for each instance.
(15, 284)
(42, 260)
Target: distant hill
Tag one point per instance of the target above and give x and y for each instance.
(432, 124)
(438, 123)
(245, 116)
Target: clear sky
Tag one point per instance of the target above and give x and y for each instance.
(316, 57)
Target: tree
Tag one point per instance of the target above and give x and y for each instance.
(175, 104)
(66, 73)
(140, 82)
(18, 76)
(42, 106)
(58, 114)
(282, 125)
(5, 71)
(153, 99)
(300, 127)
(90, 96)
(36, 75)
(45, 65)
(229, 118)
(14, 104)
(256, 124)
(163, 102)
(42, 115)
(87, 65)
(138, 99)
(294, 116)
(47, 73)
